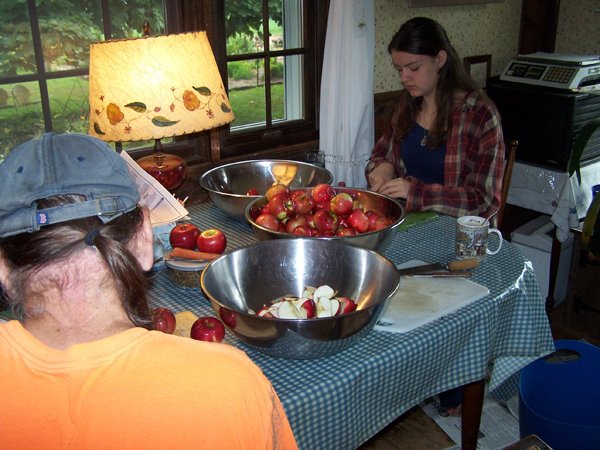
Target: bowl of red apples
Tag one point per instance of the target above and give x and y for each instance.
(299, 298)
(351, 216)
(232, 187)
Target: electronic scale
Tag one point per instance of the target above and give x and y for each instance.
(562, 71)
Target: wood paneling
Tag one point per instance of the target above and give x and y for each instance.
(539, 19)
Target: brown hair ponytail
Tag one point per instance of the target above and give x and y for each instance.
(27, 253)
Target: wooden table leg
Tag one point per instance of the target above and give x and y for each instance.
(472, 405)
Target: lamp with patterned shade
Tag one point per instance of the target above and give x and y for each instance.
(156, 87)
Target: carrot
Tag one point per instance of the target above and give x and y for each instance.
(184, 253)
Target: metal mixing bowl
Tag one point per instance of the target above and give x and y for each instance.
(250, 277)
(373, 240)
(227, 184)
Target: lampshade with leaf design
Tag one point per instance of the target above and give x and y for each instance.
(156, 87)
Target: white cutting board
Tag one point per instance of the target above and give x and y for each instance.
(420, 300)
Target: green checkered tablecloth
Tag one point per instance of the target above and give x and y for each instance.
(340, 401)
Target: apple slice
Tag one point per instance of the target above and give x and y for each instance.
(287, 310)
(265, 311)
(335, 307)
(324, 291)
(327, 307)
(309, 292)
(306, 306)
(274, 309)
(347, 305)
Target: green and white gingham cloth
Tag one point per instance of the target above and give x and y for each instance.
(341, 401)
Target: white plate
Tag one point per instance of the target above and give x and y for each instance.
(186, 265)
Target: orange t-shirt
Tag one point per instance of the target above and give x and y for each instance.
(136, 390)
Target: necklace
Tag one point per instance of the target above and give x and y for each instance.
(424, 140)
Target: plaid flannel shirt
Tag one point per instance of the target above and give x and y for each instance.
(473, 167)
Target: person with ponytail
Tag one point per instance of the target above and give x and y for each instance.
(80, 365)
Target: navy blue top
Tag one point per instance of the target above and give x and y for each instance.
(422, 162)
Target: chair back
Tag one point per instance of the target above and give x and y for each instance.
(508, 169)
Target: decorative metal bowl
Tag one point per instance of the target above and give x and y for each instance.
(228, 184)
(250, 277)
(374, 240)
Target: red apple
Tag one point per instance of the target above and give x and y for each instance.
(302, 230)
(295, 222)
(254, 212)
(163, 320)
(341, 203)
(277, 189)
(373, 215)
(252, 191)
(281, 206)
(209, 329)
(212, 241)
(346, 231)
(322, 193)
(303, 204)
(228, 317)
(382, 222)
(268, 221)
(321, 205)
(184, 235)
(326, 221)
(358, 220)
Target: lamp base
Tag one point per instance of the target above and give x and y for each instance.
(169, 170)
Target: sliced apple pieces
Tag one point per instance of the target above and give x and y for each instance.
(315, 302)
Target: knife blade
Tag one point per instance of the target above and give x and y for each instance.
(442, 274)
(423, 269)
(452, 266)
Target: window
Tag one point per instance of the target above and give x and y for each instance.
(271, 52)
(44, 58)
(268, 50)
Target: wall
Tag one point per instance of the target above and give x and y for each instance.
(491, 28)
(578, 29)
(484, 29)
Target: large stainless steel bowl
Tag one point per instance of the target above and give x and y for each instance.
(250, 277)
(373, 240)
(227, 184)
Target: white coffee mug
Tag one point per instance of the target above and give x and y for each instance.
(472, 234)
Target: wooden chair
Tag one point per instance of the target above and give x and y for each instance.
(508, 169)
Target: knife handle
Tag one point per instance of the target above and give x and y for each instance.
(463, 264)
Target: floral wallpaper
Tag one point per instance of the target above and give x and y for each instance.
(578, 29)
(491, 28)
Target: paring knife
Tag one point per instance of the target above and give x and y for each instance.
(440, 268)
(442, 274)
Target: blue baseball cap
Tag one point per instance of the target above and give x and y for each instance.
(58, 164)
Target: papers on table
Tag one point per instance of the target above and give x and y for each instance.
(164, 207)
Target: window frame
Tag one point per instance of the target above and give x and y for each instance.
(277, 134)
(206, 149)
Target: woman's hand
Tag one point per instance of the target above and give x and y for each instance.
(396, 188)
(380, 175)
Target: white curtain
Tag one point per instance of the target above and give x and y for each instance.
(346, 110)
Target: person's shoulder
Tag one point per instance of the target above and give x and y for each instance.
(189, 349)
(478, 102)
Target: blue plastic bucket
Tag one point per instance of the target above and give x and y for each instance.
(559, 397)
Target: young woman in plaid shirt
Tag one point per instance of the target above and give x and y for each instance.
(444, 149)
